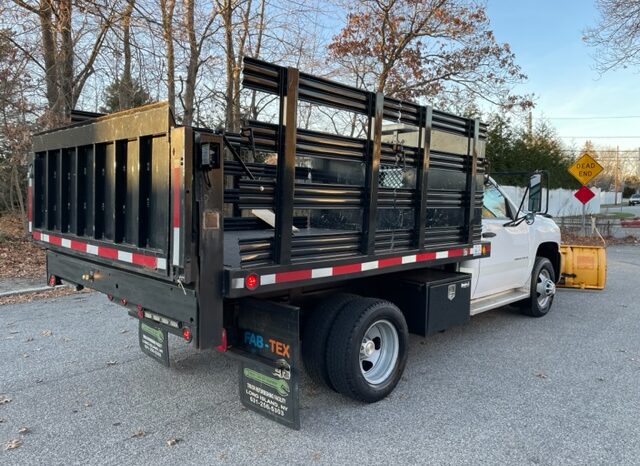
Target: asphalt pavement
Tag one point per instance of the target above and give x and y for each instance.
(564, 389)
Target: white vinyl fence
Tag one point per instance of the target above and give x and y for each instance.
(562, 202)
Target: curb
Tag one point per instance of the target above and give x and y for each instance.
(35, 289)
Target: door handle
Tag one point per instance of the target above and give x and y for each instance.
(488, 234)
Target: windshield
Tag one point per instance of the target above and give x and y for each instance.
(494, 203)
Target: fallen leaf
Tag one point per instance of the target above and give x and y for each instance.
(23, 430)
(25, 355)
(28, 339)
(116, 424)
(172, 441)
(39, 380)
(4, 399)
(65, 339)
(46, 333)
(599, 379)
(541, 375)
(13, 444)
(112, 363)
(124, 330)
(2, 420)
(315, 456)
(88, 404)
(13, 332)
(138, 433)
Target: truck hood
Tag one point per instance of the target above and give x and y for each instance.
(545, 229)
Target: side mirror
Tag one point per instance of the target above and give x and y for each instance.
(535, 193)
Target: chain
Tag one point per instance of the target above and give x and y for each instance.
(179, 281)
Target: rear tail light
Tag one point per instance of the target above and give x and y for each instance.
(124, 301)
(53, 280)
(140, 311)
(110, 297)
(222, 347)
(186, 334)
(251, 281)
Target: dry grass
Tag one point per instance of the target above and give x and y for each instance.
(573, 238)
(19, 256)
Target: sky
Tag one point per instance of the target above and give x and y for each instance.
(546, 37)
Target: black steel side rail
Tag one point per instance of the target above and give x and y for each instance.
(301, 275)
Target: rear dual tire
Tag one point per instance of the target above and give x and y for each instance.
(316, 334)
(365, 350)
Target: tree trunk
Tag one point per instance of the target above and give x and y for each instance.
(168, 7)
(126, 90)
(18, 189)
(227, 19)
(66, 56)
(253, 111)
(45, 14)
(194, 59)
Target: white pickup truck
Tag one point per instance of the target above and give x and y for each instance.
(525, 260)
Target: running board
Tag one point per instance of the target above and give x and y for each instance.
(492, 302)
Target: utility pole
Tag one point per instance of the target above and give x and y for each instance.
(615, 201)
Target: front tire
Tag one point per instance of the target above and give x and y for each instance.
(367, 349)
(543, 289)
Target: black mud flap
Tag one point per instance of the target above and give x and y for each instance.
(268, 346)
(154, 342)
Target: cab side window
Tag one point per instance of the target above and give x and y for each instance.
(494, 205)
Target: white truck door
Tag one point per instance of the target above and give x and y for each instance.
(508, 266)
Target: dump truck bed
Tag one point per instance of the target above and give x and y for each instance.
(134, 195)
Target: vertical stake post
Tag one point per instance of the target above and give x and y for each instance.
(285, 180)
(370, 220)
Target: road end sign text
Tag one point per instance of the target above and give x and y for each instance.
(585, 169)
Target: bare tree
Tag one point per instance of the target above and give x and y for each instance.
(616, 37)
(234, 54)
(65, 76)
(126, 82)
(15, 128)
(411, 49)
(167, 8)
(196, 40)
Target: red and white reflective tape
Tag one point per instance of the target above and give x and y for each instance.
(144, 260)
(176, 176)
(308, 274)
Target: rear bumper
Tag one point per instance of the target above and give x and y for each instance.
(131, 290)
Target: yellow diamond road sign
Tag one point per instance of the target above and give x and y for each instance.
(585, 169)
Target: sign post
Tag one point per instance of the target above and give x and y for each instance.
(584, 170)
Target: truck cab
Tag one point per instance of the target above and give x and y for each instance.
(525, 259)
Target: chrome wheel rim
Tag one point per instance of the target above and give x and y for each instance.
(545, 288)
(379, 352)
